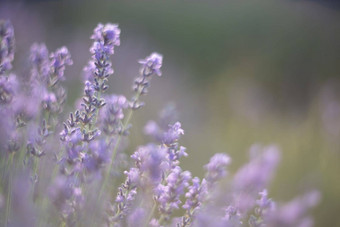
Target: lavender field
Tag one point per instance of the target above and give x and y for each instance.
(169, 113)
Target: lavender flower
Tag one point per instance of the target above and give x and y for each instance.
(195, 196)
(216, 168)
(11, 140)
(90, 106)
(105, 37)
(168, 195)
(96, 156)
(59, 59)
(25, 108)
(7, 46)
(151, 162)
(256, 174)
(168, 136)
(232, 214)
(71, 162)
(112, 114)
(40, 63)
(125, 198)
(67, 196)
(108, 34)
(151, 65)
(264, 207)
(8, 88)
(37, 139)
(173, 134)
(294, 212)
(156, 129)
(264, 202)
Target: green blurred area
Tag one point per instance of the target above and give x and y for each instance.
(255, 71)
(290, 46)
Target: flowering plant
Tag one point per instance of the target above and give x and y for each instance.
(75, 171)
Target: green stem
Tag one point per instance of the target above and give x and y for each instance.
(5, 170)
(152, 211)
(23, 147)
(99, 93)
(161, 220)
(35, 175)
(44, 202)
(63, 224)
(9, 193)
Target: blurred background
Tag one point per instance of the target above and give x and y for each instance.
(239, 73)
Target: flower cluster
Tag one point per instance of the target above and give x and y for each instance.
(78, 173)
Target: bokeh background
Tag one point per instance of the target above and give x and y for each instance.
(239, 72)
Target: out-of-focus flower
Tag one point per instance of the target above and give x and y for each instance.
(112, 113)
(7, 46)
(152, 65)
(137, 217)
(151, 161)
(8, 88)
(168, 194)
(294, 212)
(254, 176)
(196, 195)
(40, 63)
(59, 59)
(216, 168)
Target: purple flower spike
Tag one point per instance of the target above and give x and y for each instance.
(8, 88)
(294, 212)
(231, 212)
(152, 64)
(108, 35)
(97, 155)
(7, 46)
(257, 173)
(125, 197)
(151, 161)
(168, 196)
(195, 195)
(112, 114)
(105, 37)
(40, 62)
(59, 59)
(216, 168)
(264, 202)
(254, 176)
(173, 134)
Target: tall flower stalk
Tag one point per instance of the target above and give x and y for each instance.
(150, 66)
